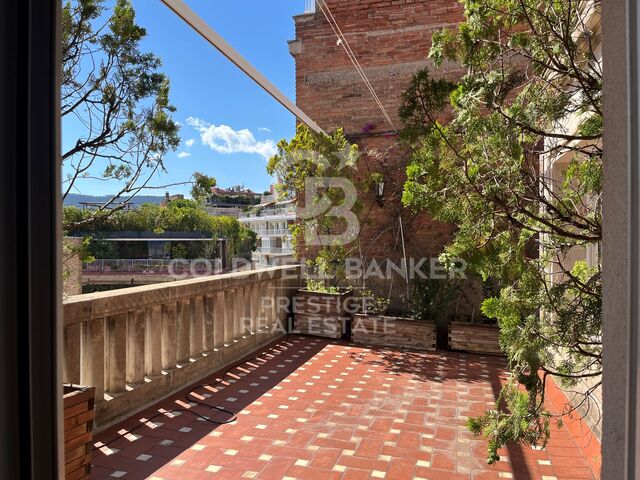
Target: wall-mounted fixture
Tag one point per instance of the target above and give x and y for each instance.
(380, 192)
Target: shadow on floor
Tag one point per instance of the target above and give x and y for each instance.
(161, 435)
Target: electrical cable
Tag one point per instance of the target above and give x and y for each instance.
(342, 40)
(354, 60)
(188, 397)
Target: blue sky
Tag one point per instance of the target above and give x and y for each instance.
(216, 103)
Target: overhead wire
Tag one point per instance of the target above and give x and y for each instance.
(342, 40)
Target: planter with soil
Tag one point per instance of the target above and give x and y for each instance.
(78, 431)
(323, 314)
(394, 332)
(475, 337)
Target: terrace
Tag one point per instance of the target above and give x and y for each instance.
(162, 357)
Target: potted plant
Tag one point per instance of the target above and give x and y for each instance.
(476, 333)
(78, 404)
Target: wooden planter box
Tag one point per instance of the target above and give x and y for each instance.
(322, 314)
(78, 431)
(474, 338)
(396, 332)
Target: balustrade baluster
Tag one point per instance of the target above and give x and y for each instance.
(255, 306)
(135, 346)
(264, 306)
(184, 331)
(116, 363)
(282, 304)
(246, 310)
(229, 316)
(273, 295)
(153, 341)
(197, 324)
(92, 367)
(71, 365)
(238, 313)
(219, 320)
(169, 328)
(209, 323)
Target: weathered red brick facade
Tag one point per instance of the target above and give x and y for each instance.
(391, 40)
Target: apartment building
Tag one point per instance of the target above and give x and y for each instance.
(553, 167)
(271, 221)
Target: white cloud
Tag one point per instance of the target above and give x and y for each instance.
(189, 143)
(224, 139)
(264, 129)
(184, 155)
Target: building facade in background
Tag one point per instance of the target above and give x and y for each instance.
(230, 201)
(271, 221)
(554, 166)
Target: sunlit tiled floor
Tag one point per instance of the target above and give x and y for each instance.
(310, 408)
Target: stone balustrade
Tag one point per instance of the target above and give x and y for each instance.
(138, 345)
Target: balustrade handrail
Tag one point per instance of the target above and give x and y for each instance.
(282, 250)
(274, 231)
(81, 308)
(271, 212)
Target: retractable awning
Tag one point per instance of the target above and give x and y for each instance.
(180, 8)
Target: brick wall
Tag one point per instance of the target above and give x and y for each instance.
(391, 40)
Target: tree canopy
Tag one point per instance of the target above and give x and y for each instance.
(114, 99)
(512, 155)
(202, 185)
(175, 216)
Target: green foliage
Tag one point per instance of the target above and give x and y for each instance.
(530, 68)
(306, 159)
(319, 286)
(202, 185)
(523, 423)
(233, 200)
(372, 304)
(72, 251)
(431, 297)
(114, 95)
(102, 249)
(176, 216)
(310, 154)
(179, 251)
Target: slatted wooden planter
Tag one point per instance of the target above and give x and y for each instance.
(78, 431)
(475, 338)
(395, 332)
(322, 314)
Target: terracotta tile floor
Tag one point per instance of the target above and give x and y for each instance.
(319, 409)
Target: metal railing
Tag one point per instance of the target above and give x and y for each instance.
(277, 250)
(149, 266)
(270, 212)
(273, 232)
